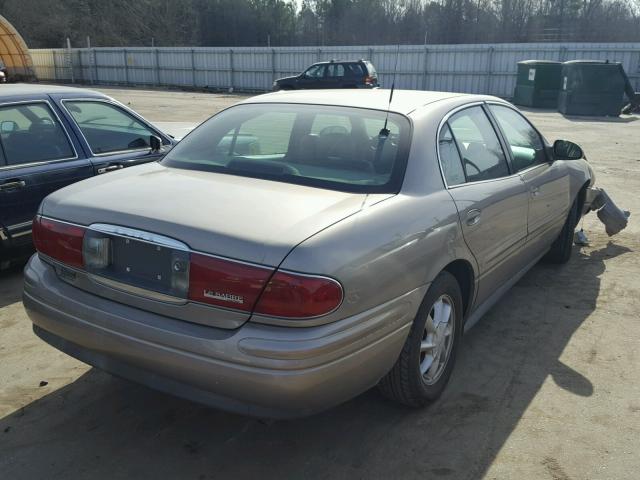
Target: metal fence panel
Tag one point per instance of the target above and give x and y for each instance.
(472, 68)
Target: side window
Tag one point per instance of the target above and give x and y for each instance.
(336, 70)
(526, 145)
(450, 158)
(31, 133)
(482, 155)
(316, 71)
(108, 128)
(353, 70)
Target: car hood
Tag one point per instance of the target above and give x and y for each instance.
(249, 219)
(286, 79)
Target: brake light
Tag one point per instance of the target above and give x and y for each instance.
(225, 283)
(293, 295)
(368, 80)
(58, 240)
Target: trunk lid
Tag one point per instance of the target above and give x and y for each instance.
(246, 219)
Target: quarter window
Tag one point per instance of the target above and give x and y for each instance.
(108, 128)
(450, 158)
(482, 155)
(31, 133)
(526, 145)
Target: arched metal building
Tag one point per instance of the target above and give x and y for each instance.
(14, 52)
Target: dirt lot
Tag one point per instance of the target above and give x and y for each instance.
(547, 385)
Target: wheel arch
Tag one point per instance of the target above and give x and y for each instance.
(463, 272)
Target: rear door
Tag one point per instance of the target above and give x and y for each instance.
(491, 201)
(113, 137)
(547, 182)
(38, 157)
(335, 76)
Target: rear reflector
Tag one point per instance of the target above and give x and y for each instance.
(293, 295)
(225, 283)
(58, 240)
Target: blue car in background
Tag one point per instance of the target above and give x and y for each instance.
(53, 136)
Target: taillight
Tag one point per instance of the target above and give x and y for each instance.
(368, 80)
(292, 295)
(59, 240)
(225, 283)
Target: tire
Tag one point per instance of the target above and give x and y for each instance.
(561, 248)
(406, 383)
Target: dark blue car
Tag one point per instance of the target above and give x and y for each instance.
(51, 137)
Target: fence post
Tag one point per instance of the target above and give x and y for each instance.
(157, 66)
(95, 66)
(489, 82)
(562, 55)
(425, 70)
(273, 64)
(231, 68)
(126, 66)
(193, 68)
(80, 66)
(69, 60)
(319, 54)
(55, 66)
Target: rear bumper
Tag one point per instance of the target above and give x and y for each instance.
(255, 370)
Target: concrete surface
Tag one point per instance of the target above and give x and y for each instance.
(546, 387)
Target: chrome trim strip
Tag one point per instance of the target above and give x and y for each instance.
(21, 234)
(132, 289)
(19, 225)
(3, 236)
(118, 105)
(140, 235)
(64, 129)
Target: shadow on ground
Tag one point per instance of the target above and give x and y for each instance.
(102, 427)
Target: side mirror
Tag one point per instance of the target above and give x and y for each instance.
(566, 150)
(156, 143)
(8, 126)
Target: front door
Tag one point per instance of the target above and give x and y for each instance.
(547, 182)
(313, 77)
(38, 157)
(115, 137)
(492, 203)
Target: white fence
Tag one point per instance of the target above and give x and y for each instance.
(477, 68)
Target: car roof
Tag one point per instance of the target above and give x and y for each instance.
(26, 89)
(404, 101)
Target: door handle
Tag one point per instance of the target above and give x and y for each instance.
(535, 191)
(473, 217)
(110, 168)
(13, 185)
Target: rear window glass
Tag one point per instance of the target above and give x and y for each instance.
(329, 147)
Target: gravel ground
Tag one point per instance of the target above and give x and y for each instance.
(546, 387)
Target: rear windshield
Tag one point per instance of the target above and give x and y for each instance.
(336, 148)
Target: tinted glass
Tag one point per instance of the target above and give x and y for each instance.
(329, 147)
(317, 71)
(108, 128)
(482, 155)
(354, 70)
(335, 70)
(450, 158)
(526, 145)
(31, 133)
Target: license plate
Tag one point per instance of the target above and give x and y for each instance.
(139, 263)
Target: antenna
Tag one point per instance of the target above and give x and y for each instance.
(385, 132)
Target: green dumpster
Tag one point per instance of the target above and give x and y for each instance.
(591, 87)
(538, 83)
